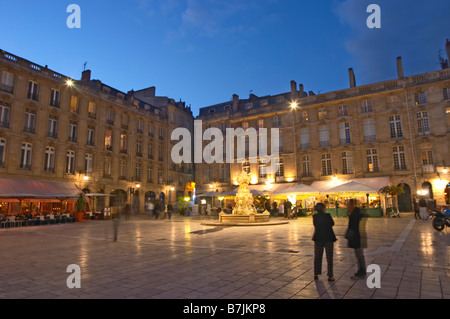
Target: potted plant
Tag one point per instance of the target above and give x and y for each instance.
(80, 207)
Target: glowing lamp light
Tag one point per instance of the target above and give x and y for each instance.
(138, 185)
(69, 82)
(422, 192)
(186, 199)
(290, 179)
(203, 201)
(221, 198)
(445, 171)
(254, 180)
(85, 178)
(294, 105)
(335, 178)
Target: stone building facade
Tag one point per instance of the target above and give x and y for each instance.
(106, 141)
(398, 129)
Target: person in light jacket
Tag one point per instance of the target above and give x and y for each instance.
(323, 238)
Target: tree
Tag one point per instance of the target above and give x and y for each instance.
(393, 192)
(80, 204)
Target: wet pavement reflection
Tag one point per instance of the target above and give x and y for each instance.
(181, 258)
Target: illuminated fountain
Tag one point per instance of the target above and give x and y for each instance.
(244, 211)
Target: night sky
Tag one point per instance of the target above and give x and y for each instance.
(204, 51)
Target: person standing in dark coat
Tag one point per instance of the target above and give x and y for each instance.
(353, 236)
(323, 238)
(170, 210)
(127, 210)
(157, 209)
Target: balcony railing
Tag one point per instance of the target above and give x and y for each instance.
(370, 138)
(4, 124)
(55, 103)
(52, 135)
(305, 146)
(324, 143)
(7, 88)
(72, 139)
(49, 169)
(428, 169)
(29, 129)
(33, 96)
(25, 166)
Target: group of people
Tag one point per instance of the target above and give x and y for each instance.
(155, 209)
(324, 239)
(421, 207)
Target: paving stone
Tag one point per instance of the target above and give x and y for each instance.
(182, 259)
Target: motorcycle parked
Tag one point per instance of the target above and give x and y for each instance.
(441, 220)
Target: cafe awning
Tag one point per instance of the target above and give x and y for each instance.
(352, 187)
(34, 189)
(210, 194)
(298, 189)
(375, 183)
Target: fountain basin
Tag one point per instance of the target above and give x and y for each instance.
(247, 219)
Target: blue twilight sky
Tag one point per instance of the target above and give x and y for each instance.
(204, 51)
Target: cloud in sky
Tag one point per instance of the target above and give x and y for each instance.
(205, 19)
(411, 29)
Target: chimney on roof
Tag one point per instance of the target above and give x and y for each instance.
(351, 74)
(235, 102)
(86, 76)
(301, 91)
(400, 72)
(294, 93)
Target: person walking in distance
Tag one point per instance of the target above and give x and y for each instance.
(116, 220)
(127, 210)
(323, 238)
(353, 236)
(423, 208)
(170, 210)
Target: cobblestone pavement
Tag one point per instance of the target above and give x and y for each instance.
(182, 259)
